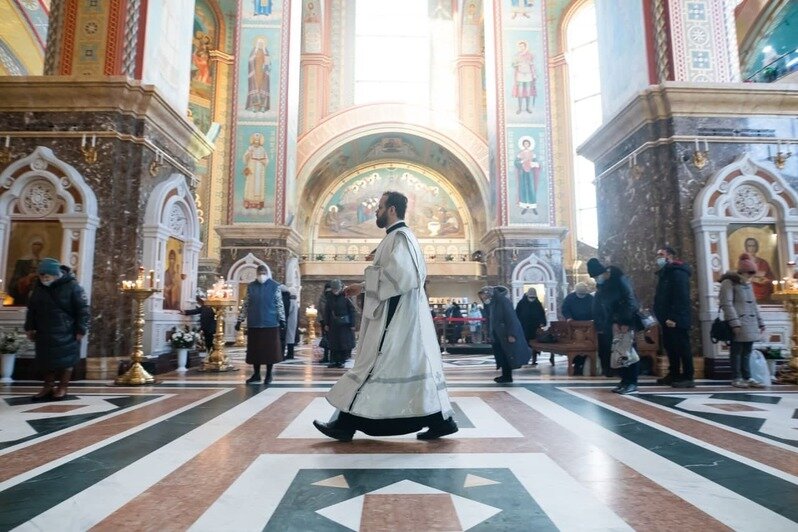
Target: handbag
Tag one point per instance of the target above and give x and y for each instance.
(623, 352)
(341, 320)
(721, 331)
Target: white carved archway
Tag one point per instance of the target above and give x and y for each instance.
(744, 192)
(535, 270)
(41, 187)
(243, 272)
(170, 212)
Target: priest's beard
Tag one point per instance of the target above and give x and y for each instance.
(382, 221)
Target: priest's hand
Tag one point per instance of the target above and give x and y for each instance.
(353, 290)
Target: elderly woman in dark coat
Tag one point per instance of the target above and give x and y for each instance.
(57, 320)
(339, 320)
(505, 331)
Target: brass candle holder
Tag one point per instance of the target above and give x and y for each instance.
(220, 298)
(311, 313)
(788, 373)
(140, 290)
(217, 359)
(241, 337)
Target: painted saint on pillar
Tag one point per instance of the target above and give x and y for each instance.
(528, 171)
(256, 159)
(259, 77)
(263, 7)
(524, 82)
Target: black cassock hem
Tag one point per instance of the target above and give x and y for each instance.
(389, 426)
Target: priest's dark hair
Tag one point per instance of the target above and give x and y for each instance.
(397, 200)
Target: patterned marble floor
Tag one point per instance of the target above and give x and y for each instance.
(208, 452)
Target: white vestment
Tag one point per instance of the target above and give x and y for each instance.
(404, 379)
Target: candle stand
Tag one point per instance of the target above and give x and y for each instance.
(788, 373)
(217, 360)
(136, 375)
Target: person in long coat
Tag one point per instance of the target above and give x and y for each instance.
(56, 321)
(396, 385)
(505, 331)
(320, 305)
(207, 321)
(532, 316)
(265, 315)
(738, 302)
(340, 325)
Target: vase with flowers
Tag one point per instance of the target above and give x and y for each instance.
(183, 340)
(12, 342)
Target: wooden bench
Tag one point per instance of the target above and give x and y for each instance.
(574, 338)
(647, 345)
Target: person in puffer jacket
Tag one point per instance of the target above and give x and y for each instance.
(738, 303)
(56, 321)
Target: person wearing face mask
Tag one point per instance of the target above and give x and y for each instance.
(339, 325)
(738, 303)
(614, 310)
(263, 309)
(672, 309)
(532, 316)
(56, 321)
(578, 306)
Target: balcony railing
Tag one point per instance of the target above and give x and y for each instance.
(777, 69)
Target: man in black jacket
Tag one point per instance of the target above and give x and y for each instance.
(672, 309)
(532, 316)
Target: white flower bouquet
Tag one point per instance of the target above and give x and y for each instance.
(184, 339)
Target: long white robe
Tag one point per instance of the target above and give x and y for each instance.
(405, 379)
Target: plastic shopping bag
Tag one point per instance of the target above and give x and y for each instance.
(623, 352)
(759, 367)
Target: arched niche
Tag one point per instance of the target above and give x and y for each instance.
(536, 271)
(42, 189)
(742, 195)
(170, 225)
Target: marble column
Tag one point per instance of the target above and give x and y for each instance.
(141, 141)
(471, 94)
(647, 181)
(315, 91)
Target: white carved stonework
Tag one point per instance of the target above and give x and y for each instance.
(747, 167)
(533, 275)
(716, 262)
(39, 198)
(714, 237)
(778, 189)
(247, 275)
(39, 164)
(749, 202)
(176, 222)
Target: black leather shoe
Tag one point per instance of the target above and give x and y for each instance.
(444, 429)
(268, 379)
(503, 379)
(255, 379)
(686, 383)
(667, 380)
(629, 388)
(329, 429)
(618, 388)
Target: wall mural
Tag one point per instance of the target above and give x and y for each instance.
(204, 40)
(525, 110)
(257, 107)
(173, 274)
(254, 180)
(431, 212)
(30, 241)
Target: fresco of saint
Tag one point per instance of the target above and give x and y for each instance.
(259, 77)
(256, 159)
(528, 172)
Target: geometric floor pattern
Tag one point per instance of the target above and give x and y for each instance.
(208, 452)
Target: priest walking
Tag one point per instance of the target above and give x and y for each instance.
(396, 385)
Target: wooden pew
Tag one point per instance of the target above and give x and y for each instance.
(574, 338)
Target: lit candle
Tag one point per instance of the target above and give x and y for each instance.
(696, 144)
(83, 142)
(706, 145)
(8, 141)
(775, 286)
(93, 140)
(152, 278)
